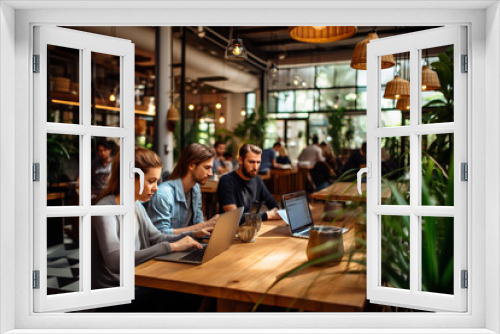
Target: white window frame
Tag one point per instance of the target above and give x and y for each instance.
(86, 43)
(482, 316)
(414, 297)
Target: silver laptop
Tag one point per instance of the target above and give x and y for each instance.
(219, 241)
(299, 216)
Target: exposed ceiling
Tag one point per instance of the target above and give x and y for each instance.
(274, 44)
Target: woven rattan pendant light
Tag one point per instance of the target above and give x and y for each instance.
(397, 88)
(430, 79)
(358, 60)
(320, 34)
(403, 104)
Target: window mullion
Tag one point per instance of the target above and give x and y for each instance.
(85, 158)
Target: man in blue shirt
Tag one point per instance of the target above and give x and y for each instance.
(268, 158)
(176, 206)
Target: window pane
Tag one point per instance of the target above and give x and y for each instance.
(286, 101)
(63, 255)
(104, 149)
(337, 98)
(250, 103)
(437, 85)
(395, 251)
(395, 167)
(324, 76)
(390, 118)
(437, 254)
(302, 77)
(63, 170)
(296, 139)
(306, 100)
(344, 75)
(106, 90)
(396, 87)
(105, 249)
(63, 106)
(437, 169)
(272, 102)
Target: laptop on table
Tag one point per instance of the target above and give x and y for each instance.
(299, 216)
(219, 241)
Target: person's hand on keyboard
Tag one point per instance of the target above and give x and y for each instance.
(203, 233)
(184, 244)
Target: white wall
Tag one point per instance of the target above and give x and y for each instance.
(255, 16)
(235, 102)
(7, 171)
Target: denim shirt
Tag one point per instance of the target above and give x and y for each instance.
(168, 208)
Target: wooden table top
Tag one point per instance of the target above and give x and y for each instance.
(346, 191)
(245, 271)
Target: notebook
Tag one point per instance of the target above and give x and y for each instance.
(298, 214)
(219, 241)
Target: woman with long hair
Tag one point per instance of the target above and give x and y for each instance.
(149, 242)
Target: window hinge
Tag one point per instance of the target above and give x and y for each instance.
(464, 171)
(36, 172)
(36, 63)
(465, 279)
(465, 64)
(36, 279)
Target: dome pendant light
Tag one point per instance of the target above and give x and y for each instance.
(320, 34)
(430, 79)
(403, 104)
(358, 60)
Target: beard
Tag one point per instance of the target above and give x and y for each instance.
(199, 180)
(247, 173)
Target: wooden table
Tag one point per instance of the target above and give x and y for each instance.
(241, 275)
(346, 191)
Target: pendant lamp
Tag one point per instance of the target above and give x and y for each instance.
(397, 88)
(430, 79)
(235, 49)
(320, 34)
(403, 104)
(358, 60)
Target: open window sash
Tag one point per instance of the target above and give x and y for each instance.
(84, 44)
(416, 296)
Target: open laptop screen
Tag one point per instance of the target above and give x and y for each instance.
(297, 210)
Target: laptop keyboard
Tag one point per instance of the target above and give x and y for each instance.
(195, 256)
(302, 234)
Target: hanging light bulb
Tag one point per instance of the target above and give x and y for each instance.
(218, 105)
(243, 112)
(235, 50)
(222, 120)
(274, 70)
(191, 107)
(112, 98)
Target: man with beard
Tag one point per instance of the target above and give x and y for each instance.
(176, 206)
(244, 187)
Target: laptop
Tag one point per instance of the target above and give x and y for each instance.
(219, 241)
(299, 216)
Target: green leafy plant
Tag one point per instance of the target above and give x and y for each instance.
(59, 151)
(340, 129)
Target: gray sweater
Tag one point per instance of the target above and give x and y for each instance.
(105, 243)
